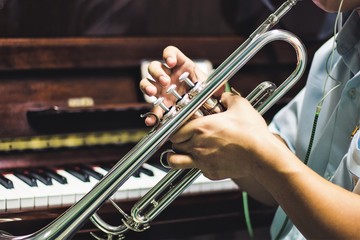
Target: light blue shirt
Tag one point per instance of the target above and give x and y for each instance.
(335, 155)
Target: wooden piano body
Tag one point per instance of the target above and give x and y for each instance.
(64, 100)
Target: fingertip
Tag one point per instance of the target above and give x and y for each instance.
(150, 121)
(170, 55)
(164, 80)
(171, 62)
(225, 99)
(224, 96)
(180, 161)
(150, 90)
(172, 160)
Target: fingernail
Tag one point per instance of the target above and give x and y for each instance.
(170, 61)
(150, 90)
(164, 79)
(149, 121)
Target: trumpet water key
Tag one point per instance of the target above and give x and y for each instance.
(197, 101)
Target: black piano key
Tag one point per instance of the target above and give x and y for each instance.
(146, 171)
(107, 166)
(41, 176)
(7, 183)
(54, 175)
(136, 173)
(78, 173)
(160, 167)
(91, 172)
(26, 177)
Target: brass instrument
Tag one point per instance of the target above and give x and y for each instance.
(198, 100)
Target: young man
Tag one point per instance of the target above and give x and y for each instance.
(314, 180)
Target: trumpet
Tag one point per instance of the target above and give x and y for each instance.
(197, 101)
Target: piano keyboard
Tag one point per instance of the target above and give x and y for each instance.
(49, 188)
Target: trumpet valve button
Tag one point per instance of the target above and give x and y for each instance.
(185, 78)
(160, 102)
(172, 90)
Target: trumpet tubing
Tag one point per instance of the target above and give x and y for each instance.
(198, 101)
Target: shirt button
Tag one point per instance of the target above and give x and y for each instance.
(352, 93)
(328, 176)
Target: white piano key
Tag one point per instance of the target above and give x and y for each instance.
(67, 197)
(130, 190)
(147, 182)
(204, 185)
(158, 173)
(10, 199)
(79, 187)
(53, 193)
(138, 187)
(121, 193)
(40, 197)
(228, 184)
(104, 172)
(135, 187)
(27, 198)
(2, 201)
(100, 170)
(66, 192)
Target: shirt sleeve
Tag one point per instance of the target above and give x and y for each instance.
(354, 155)
(285, 122)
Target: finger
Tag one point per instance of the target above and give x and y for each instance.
(180, 161)
(151, 120)
(148, 87)
(183, 147)
(173, 56)
(228, 99)
(185, 133)
(159, 72)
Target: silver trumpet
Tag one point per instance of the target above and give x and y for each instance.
(197, 101)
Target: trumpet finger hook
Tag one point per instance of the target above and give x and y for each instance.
(165, 164)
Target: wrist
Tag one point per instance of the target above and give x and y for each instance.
(273, 160)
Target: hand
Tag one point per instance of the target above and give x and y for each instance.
(223, 145)
(166, 74)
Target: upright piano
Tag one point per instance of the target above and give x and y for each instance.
(70, 108)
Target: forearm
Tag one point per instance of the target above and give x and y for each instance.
(317, 207)
(255, 190)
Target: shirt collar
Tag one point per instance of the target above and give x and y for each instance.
(348, 42)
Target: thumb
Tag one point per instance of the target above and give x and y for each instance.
(228, 99)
